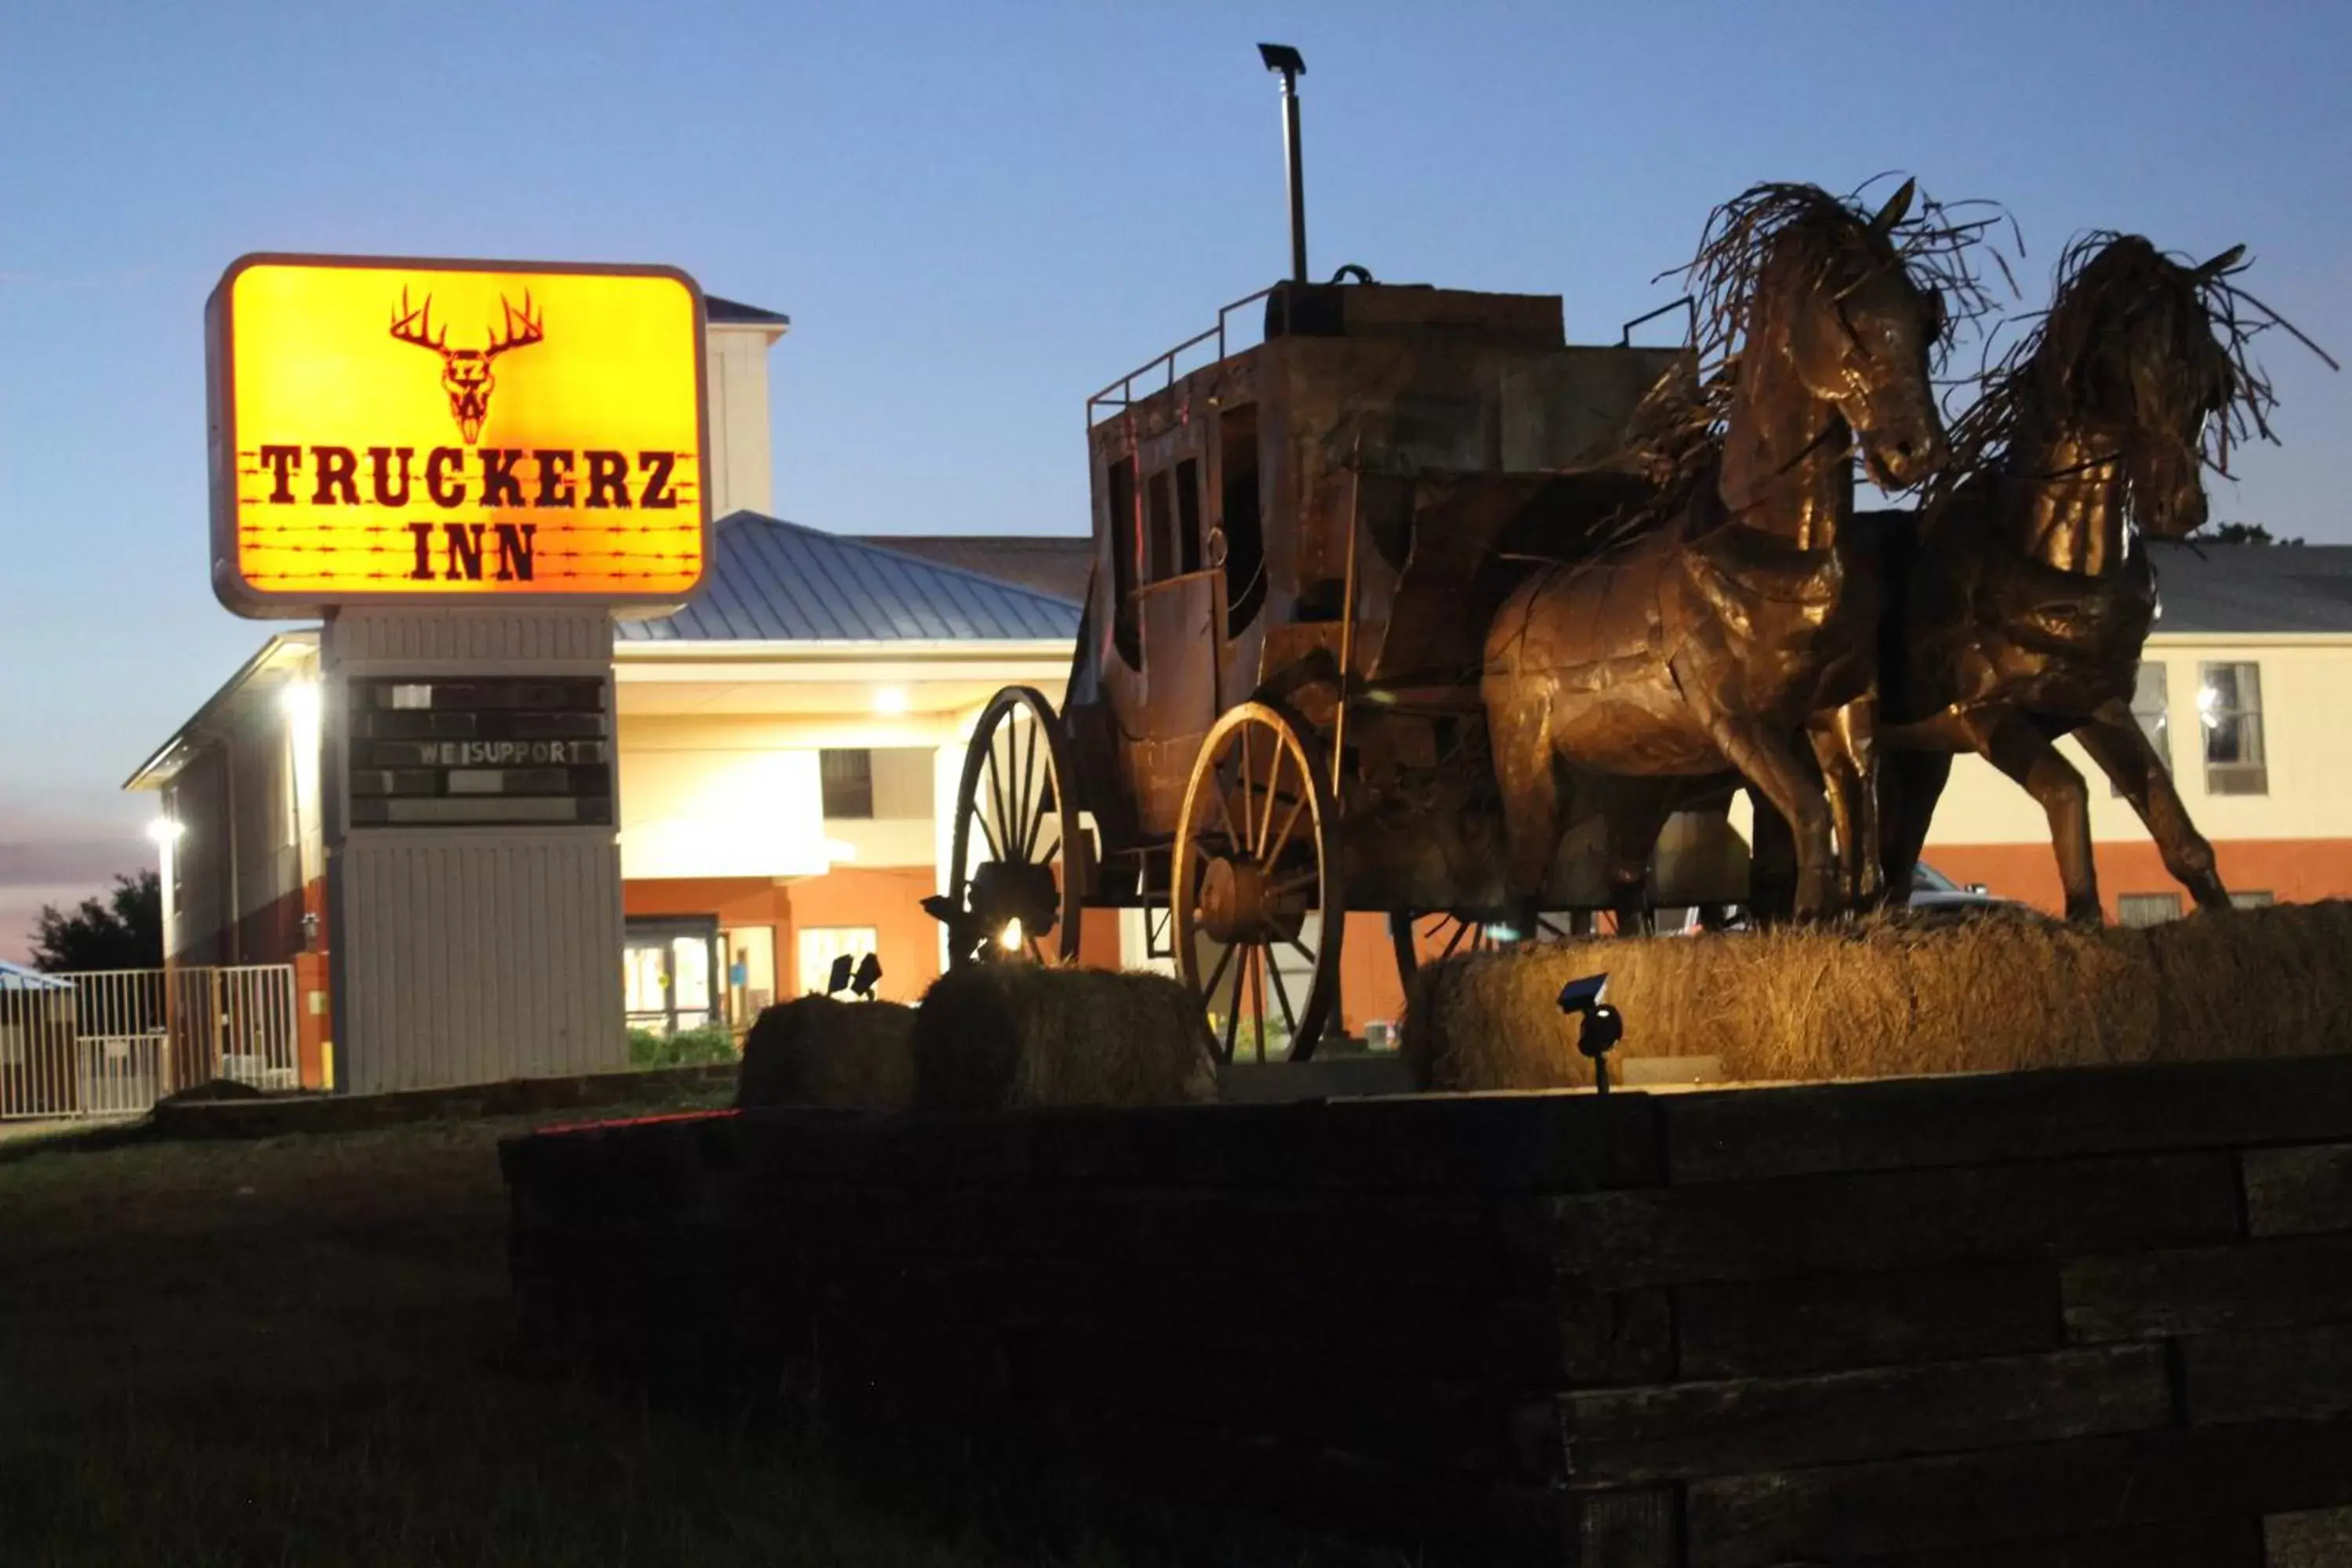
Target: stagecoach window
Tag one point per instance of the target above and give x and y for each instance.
(1237, 466)
(1120, 519)
(1160, 520)
(1188, 516)
(2148, 908)
(847, 778)
(2152, 709)
(2230, 712)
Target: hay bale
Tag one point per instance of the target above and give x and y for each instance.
(846, 1056)
(994, 1037)
(1899, 994)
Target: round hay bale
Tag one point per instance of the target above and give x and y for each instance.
(996, 1036)
(1899, 994)
(844, 1055)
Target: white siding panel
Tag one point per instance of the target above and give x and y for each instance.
(468, 957)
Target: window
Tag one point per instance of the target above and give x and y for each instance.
(2230, 711)
(2149, 706)
(2252, 900)
(1188, 515)
(1161, 527)
(848, 781)
(750, 972)
(2148, 908)
(820, 946)
(1238, 516)
(1123, 523)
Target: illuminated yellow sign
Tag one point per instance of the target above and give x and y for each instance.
(388, 431)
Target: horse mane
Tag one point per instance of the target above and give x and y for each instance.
(1675, 433)
(2104, 281)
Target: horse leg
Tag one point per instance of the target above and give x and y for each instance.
(1520, 736)
(1790, 783)
(1771, 863)
(1842, 741)
(1632, 829)
(1911, 782)
(2117, 744)
(2004, 737)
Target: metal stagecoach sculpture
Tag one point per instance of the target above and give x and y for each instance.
(1412, 607)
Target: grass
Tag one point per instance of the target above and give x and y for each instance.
(301, 1352)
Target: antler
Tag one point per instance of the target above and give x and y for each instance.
(416, 326)
(508, 337)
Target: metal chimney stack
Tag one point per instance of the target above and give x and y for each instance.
(1284, 60)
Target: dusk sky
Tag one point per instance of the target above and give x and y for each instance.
(976, 214)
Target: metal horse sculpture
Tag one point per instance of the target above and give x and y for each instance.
(1742, 627)
(2022, 611)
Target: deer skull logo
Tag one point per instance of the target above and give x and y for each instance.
(466, 372)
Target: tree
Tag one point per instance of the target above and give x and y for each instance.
(122, 930)
(2238, 533)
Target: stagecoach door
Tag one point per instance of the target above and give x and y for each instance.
(1176, 601)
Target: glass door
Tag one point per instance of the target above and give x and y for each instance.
(669, 974)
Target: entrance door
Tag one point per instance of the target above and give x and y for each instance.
(669, 974)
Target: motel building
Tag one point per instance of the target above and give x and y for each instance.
(790, 742)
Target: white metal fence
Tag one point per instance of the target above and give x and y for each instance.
(111, 1043)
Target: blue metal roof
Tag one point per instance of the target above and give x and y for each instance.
(2258, 588)
(772, 581)
(725, 311)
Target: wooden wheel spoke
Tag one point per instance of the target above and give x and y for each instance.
(1544, 925)
(1282, 841)
(1225, 806)
(1234, 1018)
(1258, 849)
(1281, 994)
(994, 850)
(1305, 952)
(1002, 836)
(1261, 957)
(1460, 929)
(1248, 775)
(1218, 972)
(1294, 882)
(1023, 762)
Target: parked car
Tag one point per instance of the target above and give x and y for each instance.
(1932, 893)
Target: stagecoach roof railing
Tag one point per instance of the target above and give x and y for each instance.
(1120, 395)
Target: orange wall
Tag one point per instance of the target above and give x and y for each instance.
(2292, 871)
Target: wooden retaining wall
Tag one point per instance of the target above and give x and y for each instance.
(2082, 1318)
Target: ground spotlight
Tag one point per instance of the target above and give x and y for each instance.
(1601, 1028)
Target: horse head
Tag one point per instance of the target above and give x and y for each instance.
(2133, 365)
(1859, 331)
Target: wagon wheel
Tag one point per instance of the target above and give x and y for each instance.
(1449, 933)
(1252, 864)
(1019, 853)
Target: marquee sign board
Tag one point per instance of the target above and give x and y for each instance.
(399, 431)
(476, 751)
